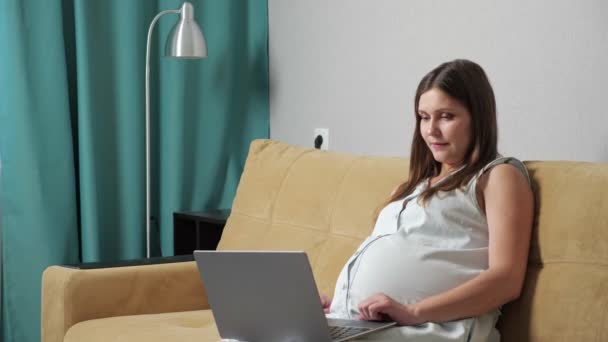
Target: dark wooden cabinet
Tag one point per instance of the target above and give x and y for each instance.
(198, 230)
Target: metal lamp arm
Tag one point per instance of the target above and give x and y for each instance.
(148, 216)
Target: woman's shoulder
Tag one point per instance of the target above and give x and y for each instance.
(505, 167)
(504, 171)
(503, 175)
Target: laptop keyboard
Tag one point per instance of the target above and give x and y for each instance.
(337, 333)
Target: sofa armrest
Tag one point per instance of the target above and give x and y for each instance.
(72, 295)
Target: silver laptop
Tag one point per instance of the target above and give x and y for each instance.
(270, 297)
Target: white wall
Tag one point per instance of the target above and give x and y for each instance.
(353, 66)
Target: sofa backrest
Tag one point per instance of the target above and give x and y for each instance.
(292, 198)
(565, 296)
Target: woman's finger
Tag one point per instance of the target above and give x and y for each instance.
(374, 311)
(324, 300)
(363, 311)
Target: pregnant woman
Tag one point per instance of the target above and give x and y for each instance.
(450, 246)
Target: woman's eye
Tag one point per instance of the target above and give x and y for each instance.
(424, 117)
(447, 116)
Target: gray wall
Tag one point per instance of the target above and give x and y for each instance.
(353, 66)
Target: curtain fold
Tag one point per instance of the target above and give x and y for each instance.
(39, 221)
(72, 187)
(110, 47)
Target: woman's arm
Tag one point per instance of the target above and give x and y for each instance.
(509, 210)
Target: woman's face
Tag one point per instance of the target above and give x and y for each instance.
(445, 126)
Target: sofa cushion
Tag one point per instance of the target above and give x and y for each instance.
(194, 326)
(321, 202)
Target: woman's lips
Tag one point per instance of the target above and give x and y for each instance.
(438, 146)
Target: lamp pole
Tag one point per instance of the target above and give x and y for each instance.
(185, 41)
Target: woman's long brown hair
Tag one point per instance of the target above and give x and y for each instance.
(466, 82)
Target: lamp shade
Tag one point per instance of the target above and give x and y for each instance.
(186, 39)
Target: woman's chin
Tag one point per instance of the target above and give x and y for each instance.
(445, 157)
(439, 157)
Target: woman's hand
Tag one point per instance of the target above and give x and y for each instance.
(325, 302)
(381, 307)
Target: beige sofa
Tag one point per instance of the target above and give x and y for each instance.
(291, 198)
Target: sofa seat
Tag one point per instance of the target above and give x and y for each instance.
(175, 326)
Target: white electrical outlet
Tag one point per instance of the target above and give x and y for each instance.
(324, 133)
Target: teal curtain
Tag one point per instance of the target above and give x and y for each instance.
(72, 148)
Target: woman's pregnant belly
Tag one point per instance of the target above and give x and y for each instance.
(409, 272)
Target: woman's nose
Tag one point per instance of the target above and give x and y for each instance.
(432, 128)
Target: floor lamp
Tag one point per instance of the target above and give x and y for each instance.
(185, 41)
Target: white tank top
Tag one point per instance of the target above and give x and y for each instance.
(418, 251)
